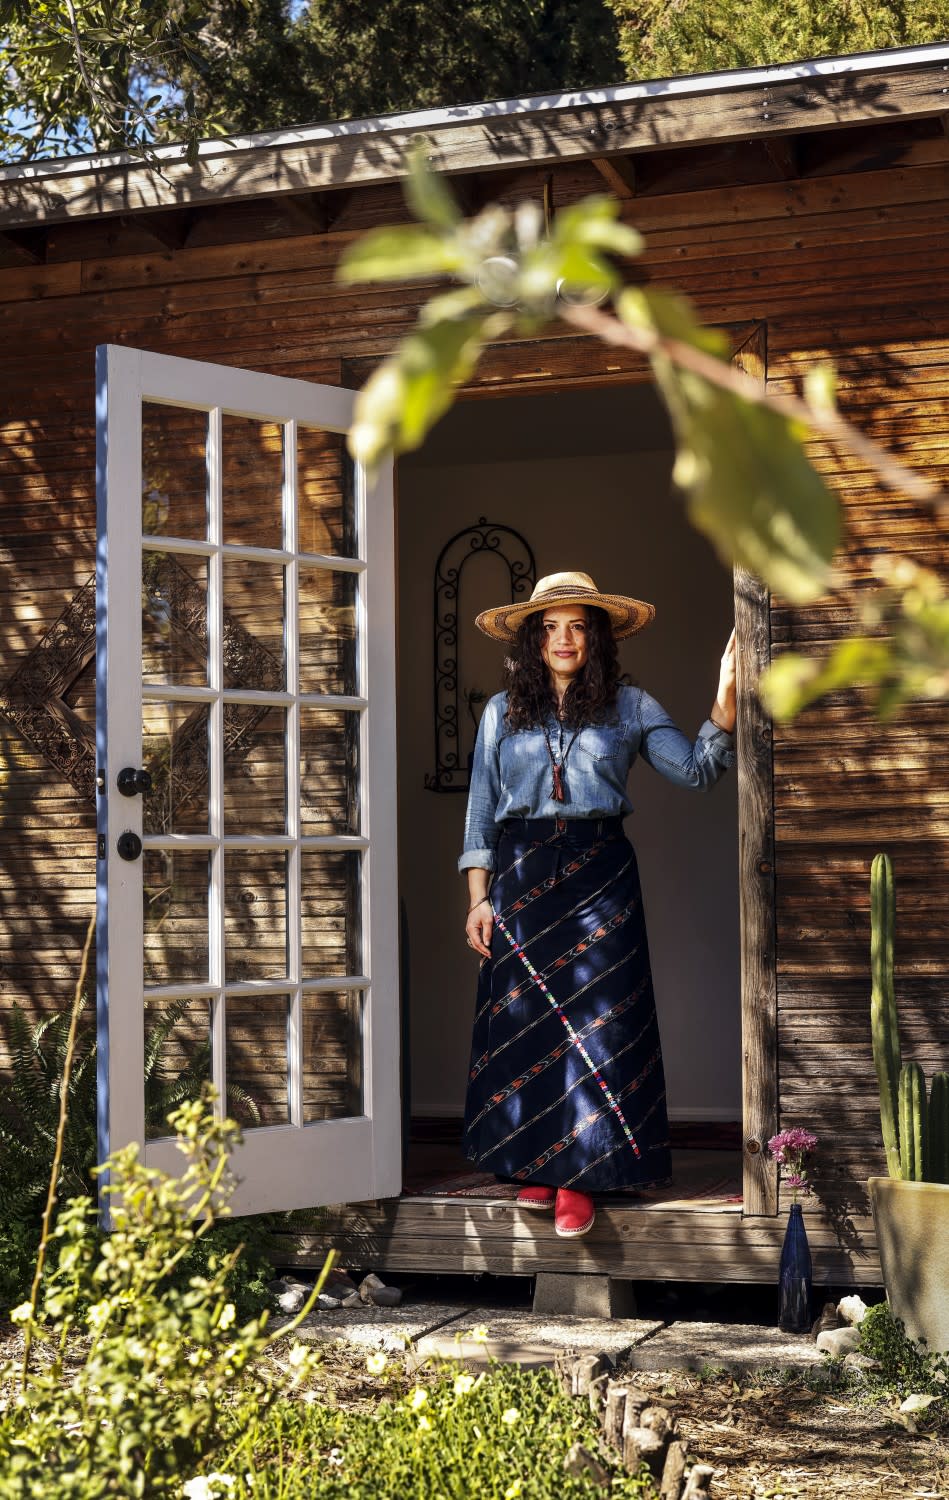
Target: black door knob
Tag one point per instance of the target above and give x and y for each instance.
(131, 782)
(129, 845)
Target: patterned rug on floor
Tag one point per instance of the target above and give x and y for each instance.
(705, 1197)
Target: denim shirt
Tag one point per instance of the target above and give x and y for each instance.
(511, 773)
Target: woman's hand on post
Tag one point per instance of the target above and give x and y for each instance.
(724, 709)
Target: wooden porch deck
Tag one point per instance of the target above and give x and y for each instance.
(640, 1239)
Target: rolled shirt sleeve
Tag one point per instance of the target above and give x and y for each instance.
(685, 762)
(481, 828)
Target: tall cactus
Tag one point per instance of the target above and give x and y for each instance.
(884, 1022)
(913, 1141)
(938, 1163)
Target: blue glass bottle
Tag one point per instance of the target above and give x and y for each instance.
(795, 1276)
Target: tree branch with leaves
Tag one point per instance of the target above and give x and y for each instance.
(741, 462)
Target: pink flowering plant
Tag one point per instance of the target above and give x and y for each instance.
(791, 1149)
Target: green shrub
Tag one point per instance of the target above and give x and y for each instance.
(29, 1116)
(504, 1433)
(905, 1366)
(163, 1366)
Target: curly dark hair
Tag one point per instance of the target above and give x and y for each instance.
(591, 696)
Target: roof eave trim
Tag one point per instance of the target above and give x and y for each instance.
(893, 60)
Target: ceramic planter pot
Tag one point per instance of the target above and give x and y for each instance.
(912, 1226)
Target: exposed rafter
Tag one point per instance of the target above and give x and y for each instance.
(784, 155)
(619, 172)
(22, 250)
(308, 211)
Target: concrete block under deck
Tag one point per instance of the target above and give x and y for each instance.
(631, 1241)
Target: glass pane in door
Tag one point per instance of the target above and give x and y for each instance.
(175, 905)
(332, 1053)
(255, 915)
(177, 1056)
(255, 769)
(329, 771)
(257, 1058)
(327, 632)
(326, 491)
(174, 619)
(330, 914)
(174, 471)
(252, 481)
(175, 755)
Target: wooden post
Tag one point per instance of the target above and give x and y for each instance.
(756, 869)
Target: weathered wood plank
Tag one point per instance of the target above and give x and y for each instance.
(411, 1234)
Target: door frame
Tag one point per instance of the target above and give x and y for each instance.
(756, 841)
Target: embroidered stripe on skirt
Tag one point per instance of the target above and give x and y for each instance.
(566, 1084)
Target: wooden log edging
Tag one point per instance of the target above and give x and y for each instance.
(634, 1426)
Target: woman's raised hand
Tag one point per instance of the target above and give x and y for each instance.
(724, 709)
(480, 926)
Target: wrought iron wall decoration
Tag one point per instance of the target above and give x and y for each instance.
(451, 764)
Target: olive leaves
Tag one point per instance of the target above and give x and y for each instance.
(739, 463)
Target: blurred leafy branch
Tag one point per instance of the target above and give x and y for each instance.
(740, 463)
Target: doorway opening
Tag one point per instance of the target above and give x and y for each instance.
(583, 479)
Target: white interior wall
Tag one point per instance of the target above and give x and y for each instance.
(613, 516)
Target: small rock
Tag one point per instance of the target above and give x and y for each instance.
(852, 1310)
(828, 1319)
(353, 1300)
(370, 1284)
(292, 1299)
(838, 1341)
(339, 1284)
(861, 1362)
(385, 1296)
(326, 1303)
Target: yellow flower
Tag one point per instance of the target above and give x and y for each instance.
(511, 1416)
(376, 1363)
(424, 1425)
(418, 1398)
(478, 1335)
(513, 1490)
(298, 1355)
(228, 1314)
(463, 1384)
(98, 1314)
(22, 1314)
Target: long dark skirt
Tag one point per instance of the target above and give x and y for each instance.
(566, 1084)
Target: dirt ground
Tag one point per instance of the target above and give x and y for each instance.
(766, 1440)
(789, 1439)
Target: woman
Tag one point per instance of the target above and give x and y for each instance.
(565, 1091)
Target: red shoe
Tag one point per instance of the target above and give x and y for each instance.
(575, 1213)
(536, 1197)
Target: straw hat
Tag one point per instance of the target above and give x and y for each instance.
(627, 615)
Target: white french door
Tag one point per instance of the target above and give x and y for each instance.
(247, 927)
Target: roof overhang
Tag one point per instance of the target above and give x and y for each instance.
(620, 121)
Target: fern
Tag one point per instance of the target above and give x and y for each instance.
(30, 1093)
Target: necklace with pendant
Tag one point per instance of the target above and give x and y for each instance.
(558, 762)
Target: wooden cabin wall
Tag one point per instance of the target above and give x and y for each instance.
(841, 266)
